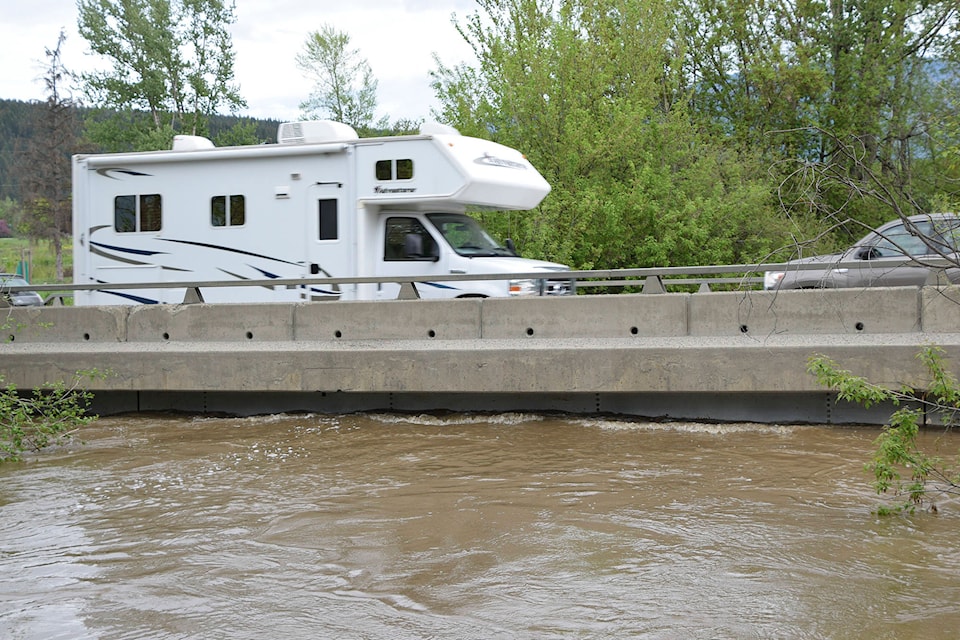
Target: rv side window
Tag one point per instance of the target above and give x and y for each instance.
(125, 214)
(150, 213)
(394, 169)
(227, 211)
(328, 219)
(137, 213)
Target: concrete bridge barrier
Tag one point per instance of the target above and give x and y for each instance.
(710, 356)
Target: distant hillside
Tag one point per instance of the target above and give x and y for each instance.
(17, 120)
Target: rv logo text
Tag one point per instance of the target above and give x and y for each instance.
(494, 161)
(379, 189)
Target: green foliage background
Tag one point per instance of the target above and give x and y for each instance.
(684, 132)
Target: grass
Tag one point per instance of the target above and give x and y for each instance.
(40, 259)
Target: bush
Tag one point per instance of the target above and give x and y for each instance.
(49, 416)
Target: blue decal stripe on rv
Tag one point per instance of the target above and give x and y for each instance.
(138, 252)
(240, 277)
(129, 296)
(230, 249)
(107, 172)
(266, 274)
(97, 252)
(274, 276)
(438, 285)
(109, 256)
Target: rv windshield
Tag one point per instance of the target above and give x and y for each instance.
(466, 236)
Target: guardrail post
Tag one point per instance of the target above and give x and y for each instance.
(653, 284)
(408, 292)
(192, 296)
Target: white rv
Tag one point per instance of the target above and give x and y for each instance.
(321, 203)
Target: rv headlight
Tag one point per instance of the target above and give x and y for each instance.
(771, 279)
(524, 287)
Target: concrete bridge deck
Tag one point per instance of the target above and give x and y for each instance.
(724, 356)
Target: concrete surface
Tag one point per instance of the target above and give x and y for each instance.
(723, 356)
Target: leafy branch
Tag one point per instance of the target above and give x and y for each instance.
(900, 465)
(48, 416)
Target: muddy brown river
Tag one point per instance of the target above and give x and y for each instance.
(459, 526)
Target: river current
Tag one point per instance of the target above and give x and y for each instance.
(466, 526)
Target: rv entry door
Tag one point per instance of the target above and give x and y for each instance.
(327, 242)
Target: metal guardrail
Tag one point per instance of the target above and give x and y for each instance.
(651, 279)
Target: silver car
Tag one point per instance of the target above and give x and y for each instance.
(17, 298)
(871, 262)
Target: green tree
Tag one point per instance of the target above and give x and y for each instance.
(344, 87)
(171, 69)
(11, 213)
(593, 91)
(45, 169)
(808, 81)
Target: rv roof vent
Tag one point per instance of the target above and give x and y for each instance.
(191, 143)
(435, 128)
(311, 131)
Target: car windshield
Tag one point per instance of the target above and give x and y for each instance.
(466, 236)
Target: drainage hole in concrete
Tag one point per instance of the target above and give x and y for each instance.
(529, 331)
(859, 326)
(166, 336)
(249, 335)
(634, 331)
(431, 333)
(743, 328)
(86, 336)
(338, 333)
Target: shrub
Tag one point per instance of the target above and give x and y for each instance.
(48, 416)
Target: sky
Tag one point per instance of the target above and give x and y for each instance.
(398, 39)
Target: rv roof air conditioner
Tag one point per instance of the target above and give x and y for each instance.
(314, 131)
(191, 143)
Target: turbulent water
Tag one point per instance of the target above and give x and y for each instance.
(460, 526)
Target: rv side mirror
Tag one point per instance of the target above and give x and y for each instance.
(512, 248)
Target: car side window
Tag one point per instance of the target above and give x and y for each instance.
(898, 241)
(948, 230)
